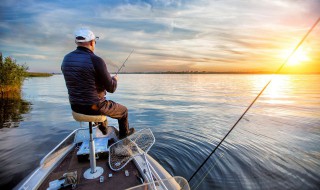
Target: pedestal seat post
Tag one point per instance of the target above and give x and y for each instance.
(94, 171)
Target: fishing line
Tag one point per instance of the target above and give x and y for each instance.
(124, 62)
(277, 71)
(212, 166)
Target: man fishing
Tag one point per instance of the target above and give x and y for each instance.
(87, 80)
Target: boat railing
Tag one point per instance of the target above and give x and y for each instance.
(77, 136)
(66, 143)
(82, 134)
(176, 182)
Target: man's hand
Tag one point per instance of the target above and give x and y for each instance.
(115, 77)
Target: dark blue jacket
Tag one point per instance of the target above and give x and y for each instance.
(87, 79)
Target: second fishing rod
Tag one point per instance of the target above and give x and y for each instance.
(123, 64)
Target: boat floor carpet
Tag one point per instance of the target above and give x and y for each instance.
(118, 181)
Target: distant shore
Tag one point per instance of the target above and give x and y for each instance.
(38, 74)
(204, 72)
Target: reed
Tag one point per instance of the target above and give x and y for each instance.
(11, 76)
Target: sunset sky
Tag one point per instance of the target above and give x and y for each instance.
(167, 35)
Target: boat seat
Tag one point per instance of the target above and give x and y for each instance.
(94, 171)
(88, 118)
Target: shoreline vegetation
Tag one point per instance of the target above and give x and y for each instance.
(12, 76)
(12, 106)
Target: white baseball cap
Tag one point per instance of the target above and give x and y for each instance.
(84, 35)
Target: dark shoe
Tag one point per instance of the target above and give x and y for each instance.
(130, 132)
(103, 129)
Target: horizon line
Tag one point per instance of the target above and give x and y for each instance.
(201, 72)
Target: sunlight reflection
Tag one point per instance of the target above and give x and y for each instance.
(278, 90)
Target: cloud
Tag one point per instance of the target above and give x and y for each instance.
(167, 35)
(33, 56)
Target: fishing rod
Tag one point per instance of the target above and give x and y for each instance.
(124, 63)
(278, 70)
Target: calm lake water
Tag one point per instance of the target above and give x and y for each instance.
(275, 146)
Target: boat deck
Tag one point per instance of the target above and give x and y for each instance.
(118, 181)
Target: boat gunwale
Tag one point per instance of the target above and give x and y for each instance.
(47, 156)
(44, 160)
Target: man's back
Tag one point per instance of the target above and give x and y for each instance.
(79, 74)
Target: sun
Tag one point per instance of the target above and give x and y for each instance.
(300, 56)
